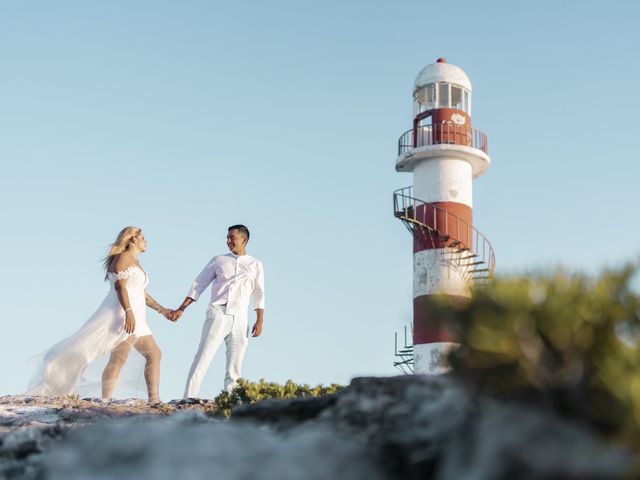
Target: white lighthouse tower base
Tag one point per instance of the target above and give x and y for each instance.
(431, 358)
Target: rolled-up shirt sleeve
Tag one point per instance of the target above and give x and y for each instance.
(258, 288)
(203, 280)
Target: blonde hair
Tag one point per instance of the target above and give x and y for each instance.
(123, 240)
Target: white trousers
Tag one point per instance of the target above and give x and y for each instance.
(219, 326)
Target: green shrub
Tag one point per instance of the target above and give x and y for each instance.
(247, 392)
(565, 341)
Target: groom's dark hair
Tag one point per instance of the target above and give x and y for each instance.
(242, 229)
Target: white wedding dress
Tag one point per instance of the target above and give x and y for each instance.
(63, 368)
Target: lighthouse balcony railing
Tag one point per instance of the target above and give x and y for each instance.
(442, 134)
(446, 230)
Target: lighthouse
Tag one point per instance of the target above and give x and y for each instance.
(445, 152)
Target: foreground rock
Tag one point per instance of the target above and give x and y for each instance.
(192, 446)
(21, 411)
(425, 427)
(377, 428)
(31, 425)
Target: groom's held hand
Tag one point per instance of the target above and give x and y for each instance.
(177, 313)
(168, 314)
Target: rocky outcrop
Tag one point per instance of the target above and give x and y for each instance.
(377, 428)
(430, 427)
(30, 426)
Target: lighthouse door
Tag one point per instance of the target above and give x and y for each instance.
(422, 130)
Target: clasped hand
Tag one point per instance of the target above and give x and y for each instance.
(171, 315)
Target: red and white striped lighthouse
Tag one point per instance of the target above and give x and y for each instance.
(444, 152)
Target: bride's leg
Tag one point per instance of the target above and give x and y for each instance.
(112, 370)
(149, 349)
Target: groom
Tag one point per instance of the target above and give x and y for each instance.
(235, 277)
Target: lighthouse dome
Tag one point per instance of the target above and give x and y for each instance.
(441, 71)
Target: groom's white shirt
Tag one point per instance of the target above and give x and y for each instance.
(235, 279)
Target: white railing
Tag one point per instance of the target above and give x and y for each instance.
(443, 133)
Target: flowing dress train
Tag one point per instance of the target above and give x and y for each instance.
(63, 368)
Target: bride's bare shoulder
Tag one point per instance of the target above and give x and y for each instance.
(121, 262)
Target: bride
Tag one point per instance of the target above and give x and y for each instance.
(119, 324)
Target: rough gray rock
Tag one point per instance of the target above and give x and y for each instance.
(430, 427)
(191, 446)
(29, 426)
(20, 449)
(405, 427)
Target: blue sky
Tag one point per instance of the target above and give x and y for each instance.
(186, 117)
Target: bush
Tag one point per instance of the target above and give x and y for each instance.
(565, 341)
(247, 392)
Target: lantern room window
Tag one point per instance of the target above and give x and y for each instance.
(430, 97)
(444, 95)
(456, 98)
(441, 95)
(425, 99)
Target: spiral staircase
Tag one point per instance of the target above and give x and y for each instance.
(461, 242)
(462, 245)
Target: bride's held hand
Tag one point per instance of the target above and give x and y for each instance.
(129, 322)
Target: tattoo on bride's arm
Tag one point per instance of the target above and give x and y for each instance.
(151, 303)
